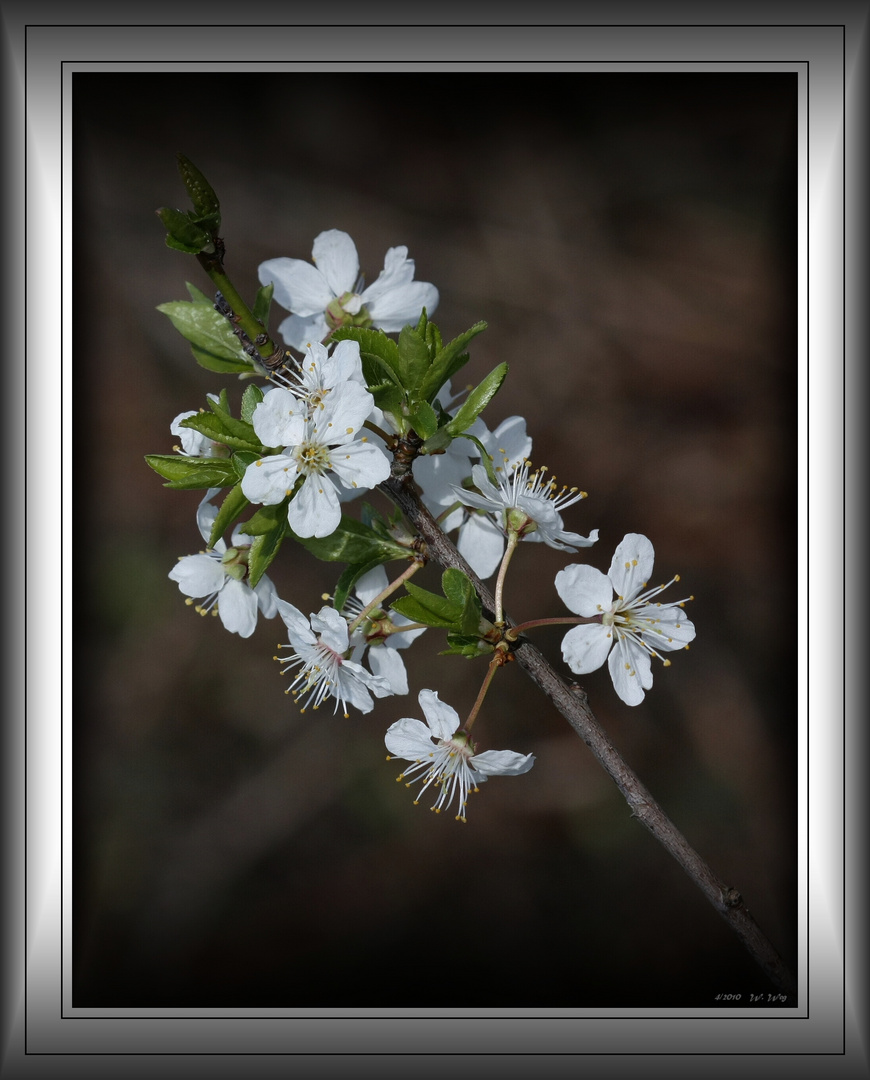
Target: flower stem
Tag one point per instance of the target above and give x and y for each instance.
(494, 665)
(519, 628)
(390, 589)
(212, 264)
(513, 540)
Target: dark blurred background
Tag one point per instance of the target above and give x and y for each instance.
(631, 241)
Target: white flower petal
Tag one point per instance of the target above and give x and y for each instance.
(198, 575)
(342, 413)
(295, 621)
(267, 597)
(314, 510)
(298, 332)
(331, 628)
(279, 419)
(299, 286)
(630, 670)
(335, 256)
(370, 584)
(502, 763)
(269, 480)
(671, 630)
(585, 648)
(237, 608)
(360, 465)
(388, 664)
(584, 590)
(409, 739)
(481, 544)
(632, 565)
(442, 718)
(402, 305)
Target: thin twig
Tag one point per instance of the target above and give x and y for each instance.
(572, 703)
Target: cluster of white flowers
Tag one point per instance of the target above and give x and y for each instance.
(319, 424)
(312, 421)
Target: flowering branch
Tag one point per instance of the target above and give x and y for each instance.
(369, 412)
(571, 701)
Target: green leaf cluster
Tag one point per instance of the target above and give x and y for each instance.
(405, 376)
(458, 611)
(193, 230)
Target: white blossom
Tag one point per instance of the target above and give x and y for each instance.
(321, 650)
(479, 540)
(330, 293)
(218, 576)
(318, 444)
(631, 628)
(527, 504)
(371, 640)
(445, 756)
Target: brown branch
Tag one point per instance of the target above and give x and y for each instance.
(572, 703)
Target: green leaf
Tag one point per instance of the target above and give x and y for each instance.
(204, 328)
(415, 360)
(182, 233)
(263, 303)
(251, 398)
(375, 344)
(240, 429)
(477, 401)
(423, 606)
(448, 361)
(424, 419)
(221, 367)
(188, 474)
(459, 589)
(242, 459)
(233, 506)
(354, 543)
(267, 519)
(264, 548)
(202, 195)
(225, 431)
(467, 645)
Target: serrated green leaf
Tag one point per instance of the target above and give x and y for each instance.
(233, 506)
(477, 400)
(428, 607)
(424, 419)
(233, 433)
(203, 327)
(197, 295)
(251, 398)
(242, 459)
(267, 519)
(189, 474)
(415, 360)
(240, 429)
(448, 361)
(458, 588)
(374, 343)
(354, 543)
(264, 548)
